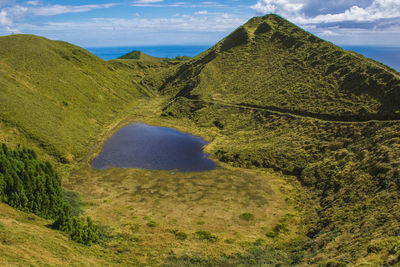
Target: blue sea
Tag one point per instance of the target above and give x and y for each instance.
(168, 51)
(387, 55)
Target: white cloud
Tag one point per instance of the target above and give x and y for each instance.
(218, 22)
(295, 10)
(147, 1)
(264, 7)
(53, 10)
(271, 6)
(157, 3)
(202, 12)
(12, 14)
(32, 3)
(4, 20)
(341, 21)
(350, 14)
(328, 33)
(19, 12)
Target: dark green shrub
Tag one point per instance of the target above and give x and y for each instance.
(246, 216)
(271, 234)
(204, 235)
(81, 230)
(151, 224)
(374, 248)
(259, 242)
(28, 184)
(279, 228)
(180, 235)
(33, 186)
(230, 241)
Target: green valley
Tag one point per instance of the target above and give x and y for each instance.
(305, 133)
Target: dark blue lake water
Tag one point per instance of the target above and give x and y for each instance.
(155, 148)
(387, 55)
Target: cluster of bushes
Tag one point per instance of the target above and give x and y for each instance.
(30, 185)
(82, 230)
(204, 235)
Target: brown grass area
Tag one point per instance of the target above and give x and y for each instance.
(128, 199)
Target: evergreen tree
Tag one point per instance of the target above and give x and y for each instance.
(33, 186)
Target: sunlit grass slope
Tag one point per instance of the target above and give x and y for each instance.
(269, 98)
(281, 98)
(60, 96)
(270, 62)
(27, 240)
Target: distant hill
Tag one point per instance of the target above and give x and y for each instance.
(271, 63)
(140, 56)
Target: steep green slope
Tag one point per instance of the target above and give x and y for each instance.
(59, 95)
(271, 63)
(269, 96)
(279, 98)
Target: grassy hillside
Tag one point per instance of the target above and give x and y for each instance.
(283, 99)
(306, 135)
(60, 96)
(139, 56)
(271, 63)
(164, 218)
(27, 240)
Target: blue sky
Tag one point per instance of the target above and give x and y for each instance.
(188, 22)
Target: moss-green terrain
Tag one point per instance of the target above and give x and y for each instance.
(306, 135)
(270, 63)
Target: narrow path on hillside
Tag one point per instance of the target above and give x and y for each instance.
(301, 114)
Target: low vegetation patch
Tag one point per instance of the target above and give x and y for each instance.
(246, 216)
(204, 235)
(179, 235)
(81, 230)
(151, 224)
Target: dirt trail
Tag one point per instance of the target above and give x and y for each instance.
(302, 114)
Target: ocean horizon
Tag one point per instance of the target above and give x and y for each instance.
(165, 51)
(389, 56)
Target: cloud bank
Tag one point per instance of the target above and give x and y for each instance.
(338, 12)
(338, 20)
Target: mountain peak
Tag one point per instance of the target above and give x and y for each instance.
(271, 62)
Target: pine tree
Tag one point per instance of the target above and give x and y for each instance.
(30, 185)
